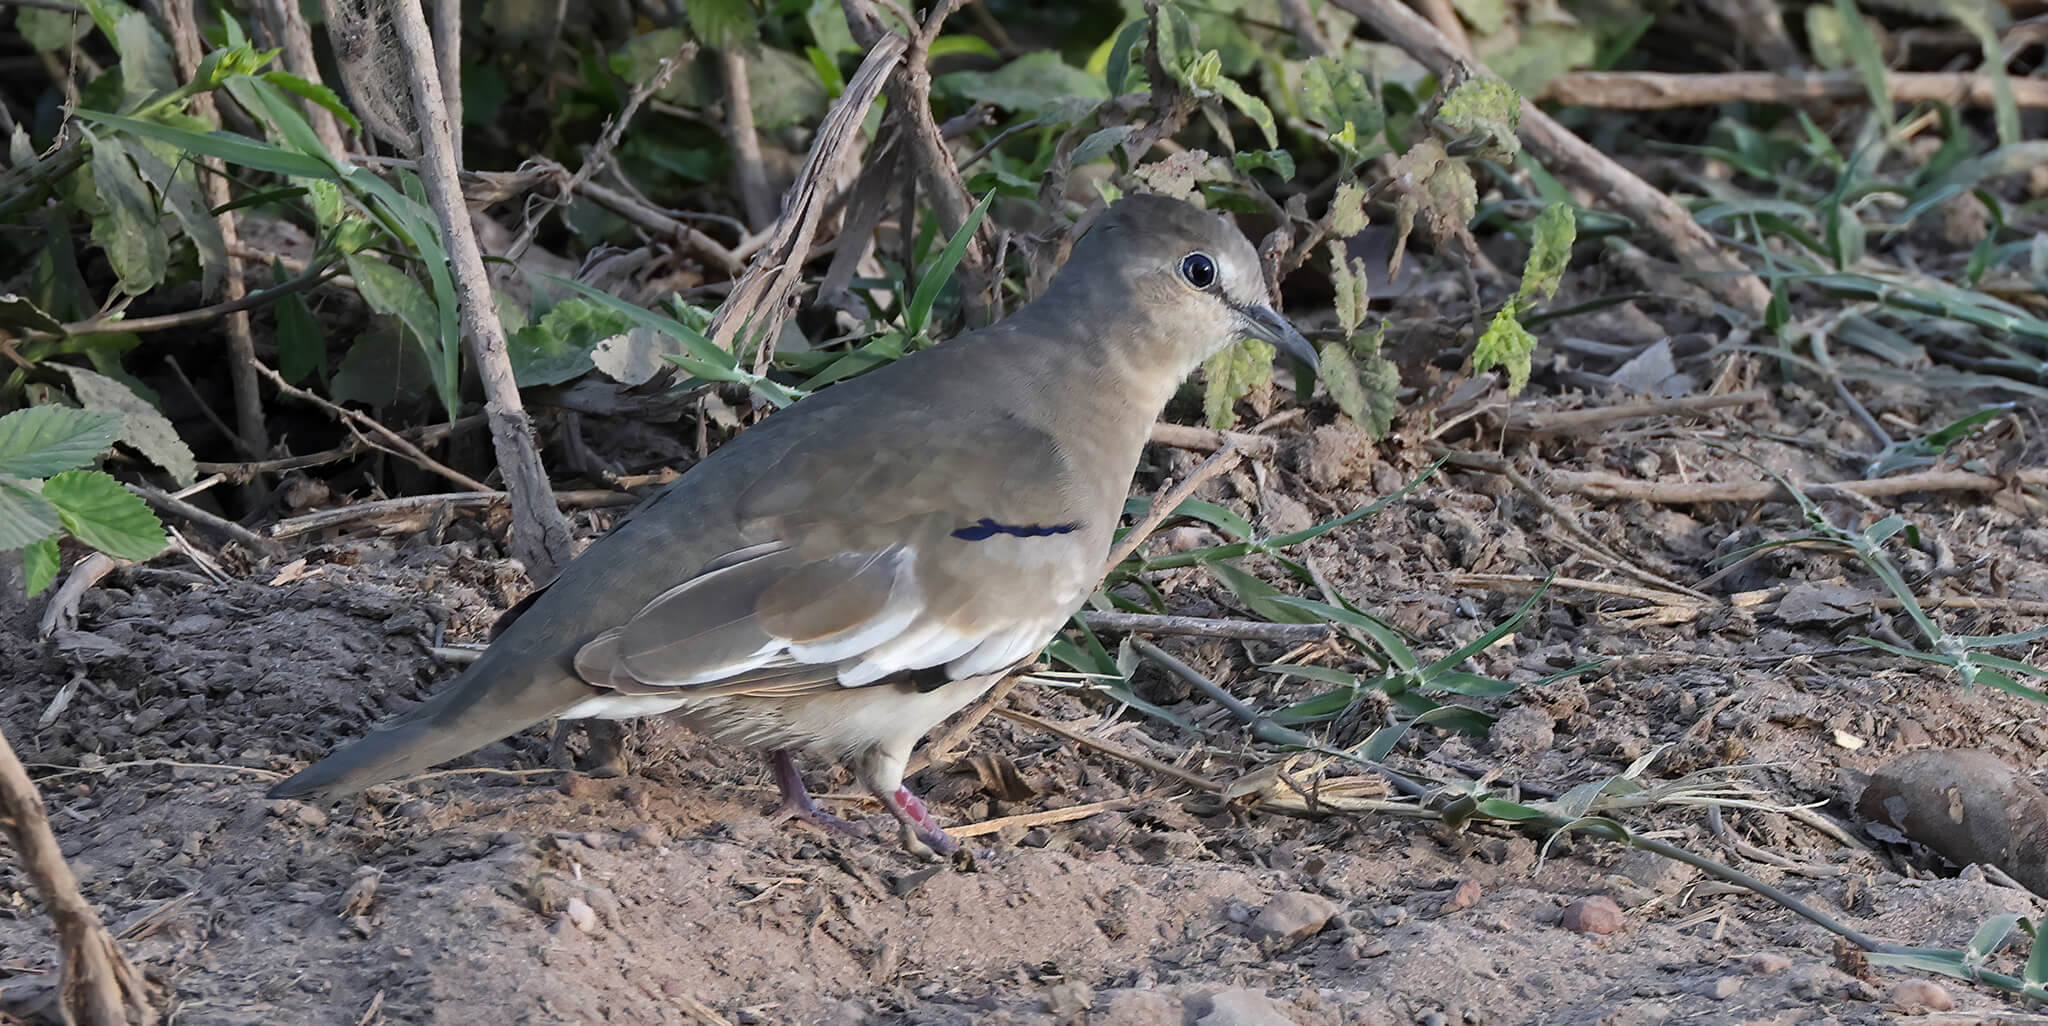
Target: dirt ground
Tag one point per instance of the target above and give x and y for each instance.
(665, 896)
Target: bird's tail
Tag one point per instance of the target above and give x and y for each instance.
(502, 693)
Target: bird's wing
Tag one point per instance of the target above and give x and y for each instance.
(874, 568)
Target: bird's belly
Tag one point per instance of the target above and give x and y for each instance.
(839, 722)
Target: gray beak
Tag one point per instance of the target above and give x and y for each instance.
(1263, 324)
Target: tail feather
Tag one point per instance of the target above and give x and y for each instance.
(500, 695)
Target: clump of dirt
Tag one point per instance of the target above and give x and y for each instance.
(513, 892)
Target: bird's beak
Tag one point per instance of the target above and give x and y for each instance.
(1267, 326)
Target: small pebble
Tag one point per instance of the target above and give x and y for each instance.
(1919, 997)
(1595, 915)
(1724, 988)
(647, 835)
(1465, 895)
(1767, 962)
(1290, 918)
(580, 915)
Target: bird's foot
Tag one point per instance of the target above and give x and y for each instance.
(922, 834)
(797, 802)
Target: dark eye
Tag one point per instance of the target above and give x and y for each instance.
(1198, 269)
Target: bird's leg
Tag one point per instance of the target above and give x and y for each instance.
(881, 769)
(921, 832)
(797, 800)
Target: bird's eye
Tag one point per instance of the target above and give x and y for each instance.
(1198, 269)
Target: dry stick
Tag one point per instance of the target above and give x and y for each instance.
(600, 154)
(944, 744)
(405, 450)
(1651, 90)
(285, 23)
(1165, 769)
(1307, 30)
(1598, 550)
(415, 504)
(447, 34)
(180, 507)
(98, 986)
(655, 220)
(1168, 501)
(1046, 818)
(910, 103)
(251, 432)
(1235, 630)
(429, 435)
(1601, 485)
(1568, 155)
(748, 170)
(1199, 439)
(1535, 424)
(188, 318)
(761, 300)
(540, 536)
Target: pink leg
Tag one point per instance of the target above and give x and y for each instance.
(919, 828)
(797, 800)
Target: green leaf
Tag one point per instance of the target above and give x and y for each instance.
(131, 232)
(180, 189)
(1230, 375)
(1116, 72)
(1487, 109)
(558, 348)
(1860, 43)
(146, 68)
(316, 93)
(1337, 100)
(1347, 215)
(1436, 186)
(45, 440)
(1280, 162)
(301, 341)
(829, 31)
(1251, 107)
(1349, 279)
(941, 271)
(1364, 388)
(1032, 83)
(48, 30)
(1506, 344)
(1098, 144)
(1550, 251)
(235, 149)
(388, 290)
(22, 312)
(144, 428)
(102, 514)
(40, 562)
(25, 518)
(721, 24)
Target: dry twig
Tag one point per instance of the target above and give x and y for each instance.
(1653, 90)
(1602, 485)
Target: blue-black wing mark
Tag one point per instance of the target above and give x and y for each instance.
(986, 528)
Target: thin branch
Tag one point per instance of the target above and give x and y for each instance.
(420, 504)
(1164, 505)
(312, 278)
(179, 507)
(1195, 626)
(1601, 485)
(1653, 90)
(404, 449)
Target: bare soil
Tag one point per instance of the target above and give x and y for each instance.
(665, 896)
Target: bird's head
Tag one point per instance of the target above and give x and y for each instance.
(1190, 272)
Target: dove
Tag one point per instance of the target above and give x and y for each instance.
(848, 573)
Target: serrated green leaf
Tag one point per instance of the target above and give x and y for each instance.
(1349, 279)
(1231, 375)
(1033, 83)
(1347, 211)
(40, 562)
(45, 440)
(1486, 108)
(99, 512)
(1365, 386)
(144, 428)
(1550, 251)
(1506, 344)
(130, 232)
(25, 517)
(1337, 100)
